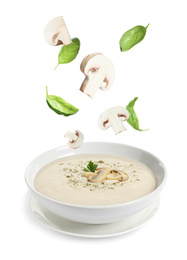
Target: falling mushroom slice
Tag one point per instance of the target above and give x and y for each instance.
(101, 175)
(113, 117)
(56, 32)
(99, 71)
(75, 139)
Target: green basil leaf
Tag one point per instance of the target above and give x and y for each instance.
(132, 37)
(133, 119)
(68, 52)
(60, 106)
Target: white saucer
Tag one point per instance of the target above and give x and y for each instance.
(68, 227)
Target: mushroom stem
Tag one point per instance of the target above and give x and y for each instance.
(93, 82)
(117, 124)
(71, 136)
(64, 35)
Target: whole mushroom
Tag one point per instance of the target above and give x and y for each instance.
(56, 32)
(75, 139)
(99, 71)
(114, 118)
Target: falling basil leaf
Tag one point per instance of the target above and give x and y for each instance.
(133, 119)
(132, 37)
(68, 52)
(59, 105)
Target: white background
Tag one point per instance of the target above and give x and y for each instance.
(154, 71)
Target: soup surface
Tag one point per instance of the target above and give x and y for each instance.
(64, 180)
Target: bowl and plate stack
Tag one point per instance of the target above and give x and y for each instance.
(110, 220)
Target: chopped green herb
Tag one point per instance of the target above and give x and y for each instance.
(100, 161)
(91, 167)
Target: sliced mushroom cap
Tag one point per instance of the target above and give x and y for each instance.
(89, 174)
(117, 175)
(101, 175)
(56, 32)
(124, 176)
(75, 139)
(99, 71)
(113, 117)
(113, 176)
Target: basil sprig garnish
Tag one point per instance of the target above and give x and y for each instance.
(133, 119)
(68, 52)
(59, 105)
(132, 37)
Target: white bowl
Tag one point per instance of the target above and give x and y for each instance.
(97, 214)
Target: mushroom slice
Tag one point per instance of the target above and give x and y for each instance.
(89, 174)
(124, 176)
(99, 71)
(113, 117)
(75, 139)
(101, 175)
(117, 175)
(113, 176)
(56, 32)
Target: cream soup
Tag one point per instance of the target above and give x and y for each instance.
(64, 180)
